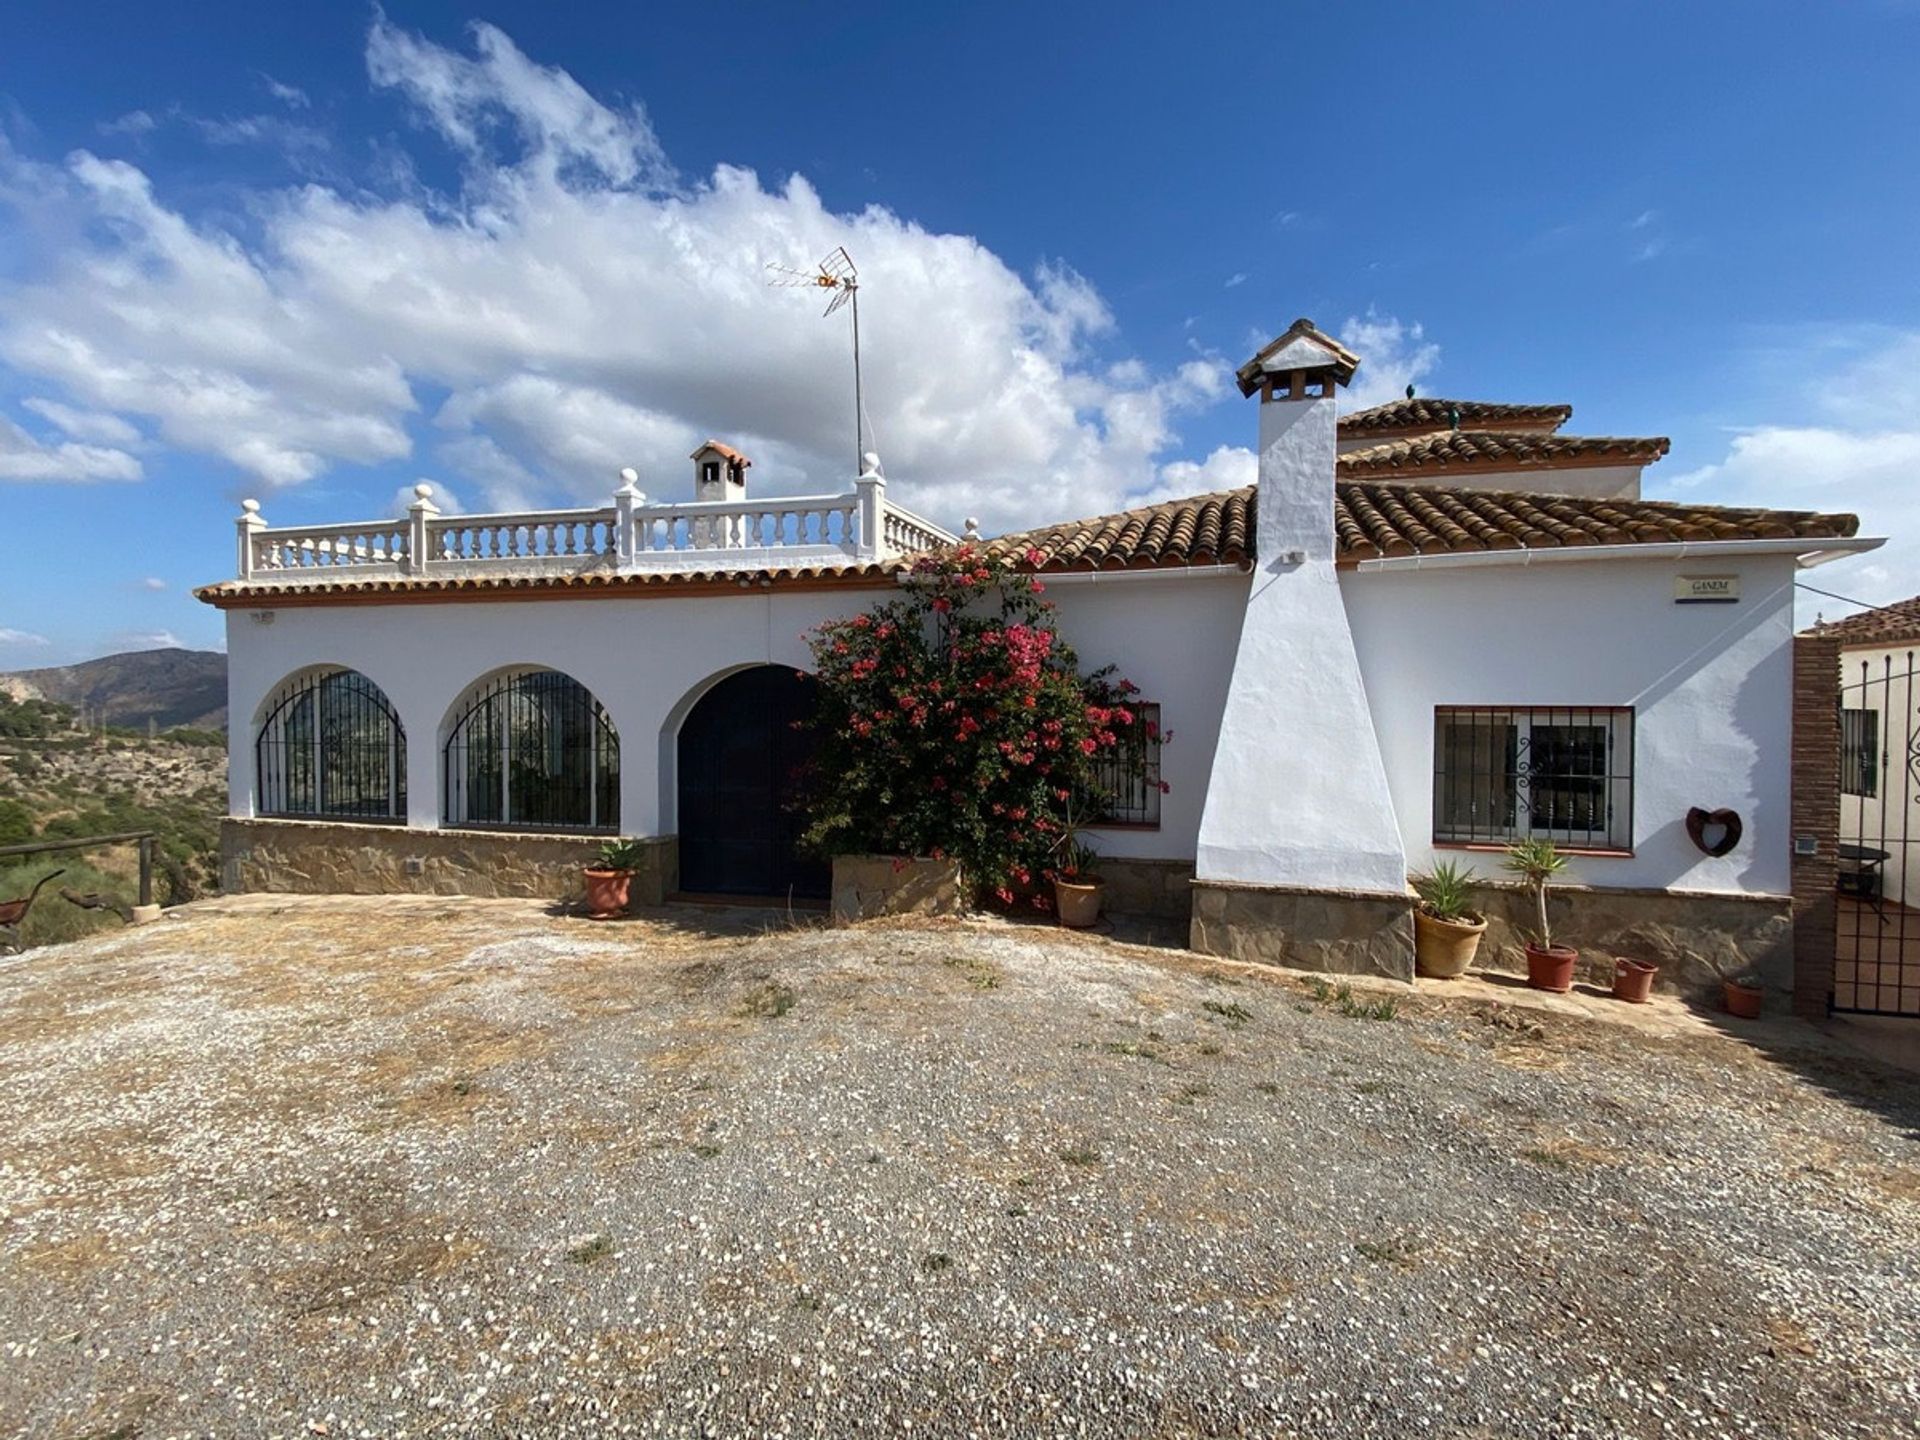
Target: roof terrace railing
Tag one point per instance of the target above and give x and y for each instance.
(630, 535)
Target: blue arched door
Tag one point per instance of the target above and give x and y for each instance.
(741, 760)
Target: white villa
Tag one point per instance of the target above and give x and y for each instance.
(1430, 627)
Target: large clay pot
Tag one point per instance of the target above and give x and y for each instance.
(1552, 968)
(1742, 1000)
(1443, 949)
(1633, 981)
(1077, 904)
(607, 892)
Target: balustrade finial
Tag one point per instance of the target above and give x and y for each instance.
(973, 529)
(870, 467)
(252, 507)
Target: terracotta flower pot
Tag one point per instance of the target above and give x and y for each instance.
(1551, 968)
(1633, 981)
(1742, 1000)
(1077, 903)
(607, 892)
(1443, 949)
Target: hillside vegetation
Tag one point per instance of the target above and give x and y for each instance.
(58, 782)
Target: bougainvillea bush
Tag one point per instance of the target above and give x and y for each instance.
(955, 722)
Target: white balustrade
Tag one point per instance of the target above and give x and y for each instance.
(632, 534)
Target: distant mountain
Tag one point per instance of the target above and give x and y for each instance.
(168, 687)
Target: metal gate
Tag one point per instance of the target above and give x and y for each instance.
(1877, 934)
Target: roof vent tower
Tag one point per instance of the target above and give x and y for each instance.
(719, 472)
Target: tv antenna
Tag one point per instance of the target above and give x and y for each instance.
(835, 273)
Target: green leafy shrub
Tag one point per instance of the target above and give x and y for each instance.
(955, 721)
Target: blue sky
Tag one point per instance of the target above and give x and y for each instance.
(315, 254)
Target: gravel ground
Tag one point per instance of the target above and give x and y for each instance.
(426, 1167)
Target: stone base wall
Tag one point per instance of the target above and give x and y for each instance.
(1341, 932)
(1685, 933)
(1157, 889)
(868, 885)
(322, 858)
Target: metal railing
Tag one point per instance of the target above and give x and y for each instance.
(632, 534)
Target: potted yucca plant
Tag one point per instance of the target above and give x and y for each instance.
(610, 878)
(1537, 862)
(1446, 932)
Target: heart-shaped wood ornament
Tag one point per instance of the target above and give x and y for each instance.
(1727, 822)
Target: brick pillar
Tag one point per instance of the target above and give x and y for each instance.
(1816, 813)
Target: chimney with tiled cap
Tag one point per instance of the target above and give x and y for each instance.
(1300, 859)
(719, 472)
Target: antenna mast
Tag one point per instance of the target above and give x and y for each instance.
(836, 273)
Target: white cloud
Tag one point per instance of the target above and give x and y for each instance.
(153, 582)
(1393, 355)
(580, 308)
(134, 122)
(92, 426)
(1859, 453)
(292, 96)
(10, 636)
(1239, 277)
(24, 458)
(141, 640)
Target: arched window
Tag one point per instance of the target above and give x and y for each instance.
(331, 746)
(533, 751)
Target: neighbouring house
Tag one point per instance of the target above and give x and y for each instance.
(1877, 934)
(1429, 628)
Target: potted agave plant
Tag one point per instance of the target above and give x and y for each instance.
(1744, 995)
(1077, 886)
(610, 878)
(1536, 862)
(1446, 933)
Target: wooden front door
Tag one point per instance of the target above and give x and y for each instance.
(741, 757)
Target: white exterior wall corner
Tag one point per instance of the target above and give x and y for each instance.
(1298, 794)
(1711, 687)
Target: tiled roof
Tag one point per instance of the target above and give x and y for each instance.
(1460, 450)
(1302, 341)
(1895, 624)
(724, 451)
(1422, 413)
(1373, 519)
(592, 582)
(1202, 530)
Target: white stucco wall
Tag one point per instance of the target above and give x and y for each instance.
(1711, 686)
(648, 660)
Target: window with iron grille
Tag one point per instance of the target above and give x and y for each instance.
(331, 746)
(1562, 773)
(1129, 774)
(1860, 753)
(533, 751)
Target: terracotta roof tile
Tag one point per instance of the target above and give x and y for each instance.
(1458, 450)
(1896, 624)
(1425, 413)
(590, 582)
(1374, 519)
(724, 451)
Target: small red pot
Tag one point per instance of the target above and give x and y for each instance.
(1744, 1001)
(607, 892)
(1633, 981)
(1551, 968)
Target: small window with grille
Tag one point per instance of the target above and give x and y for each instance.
(1129, 775)
(1562, 773)
(1860, 753)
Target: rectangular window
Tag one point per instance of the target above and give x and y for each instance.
(1860, 753)
(1562, 773)
(1130, 775)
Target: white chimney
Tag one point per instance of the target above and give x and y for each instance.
(1298, 803)
(719, 472)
